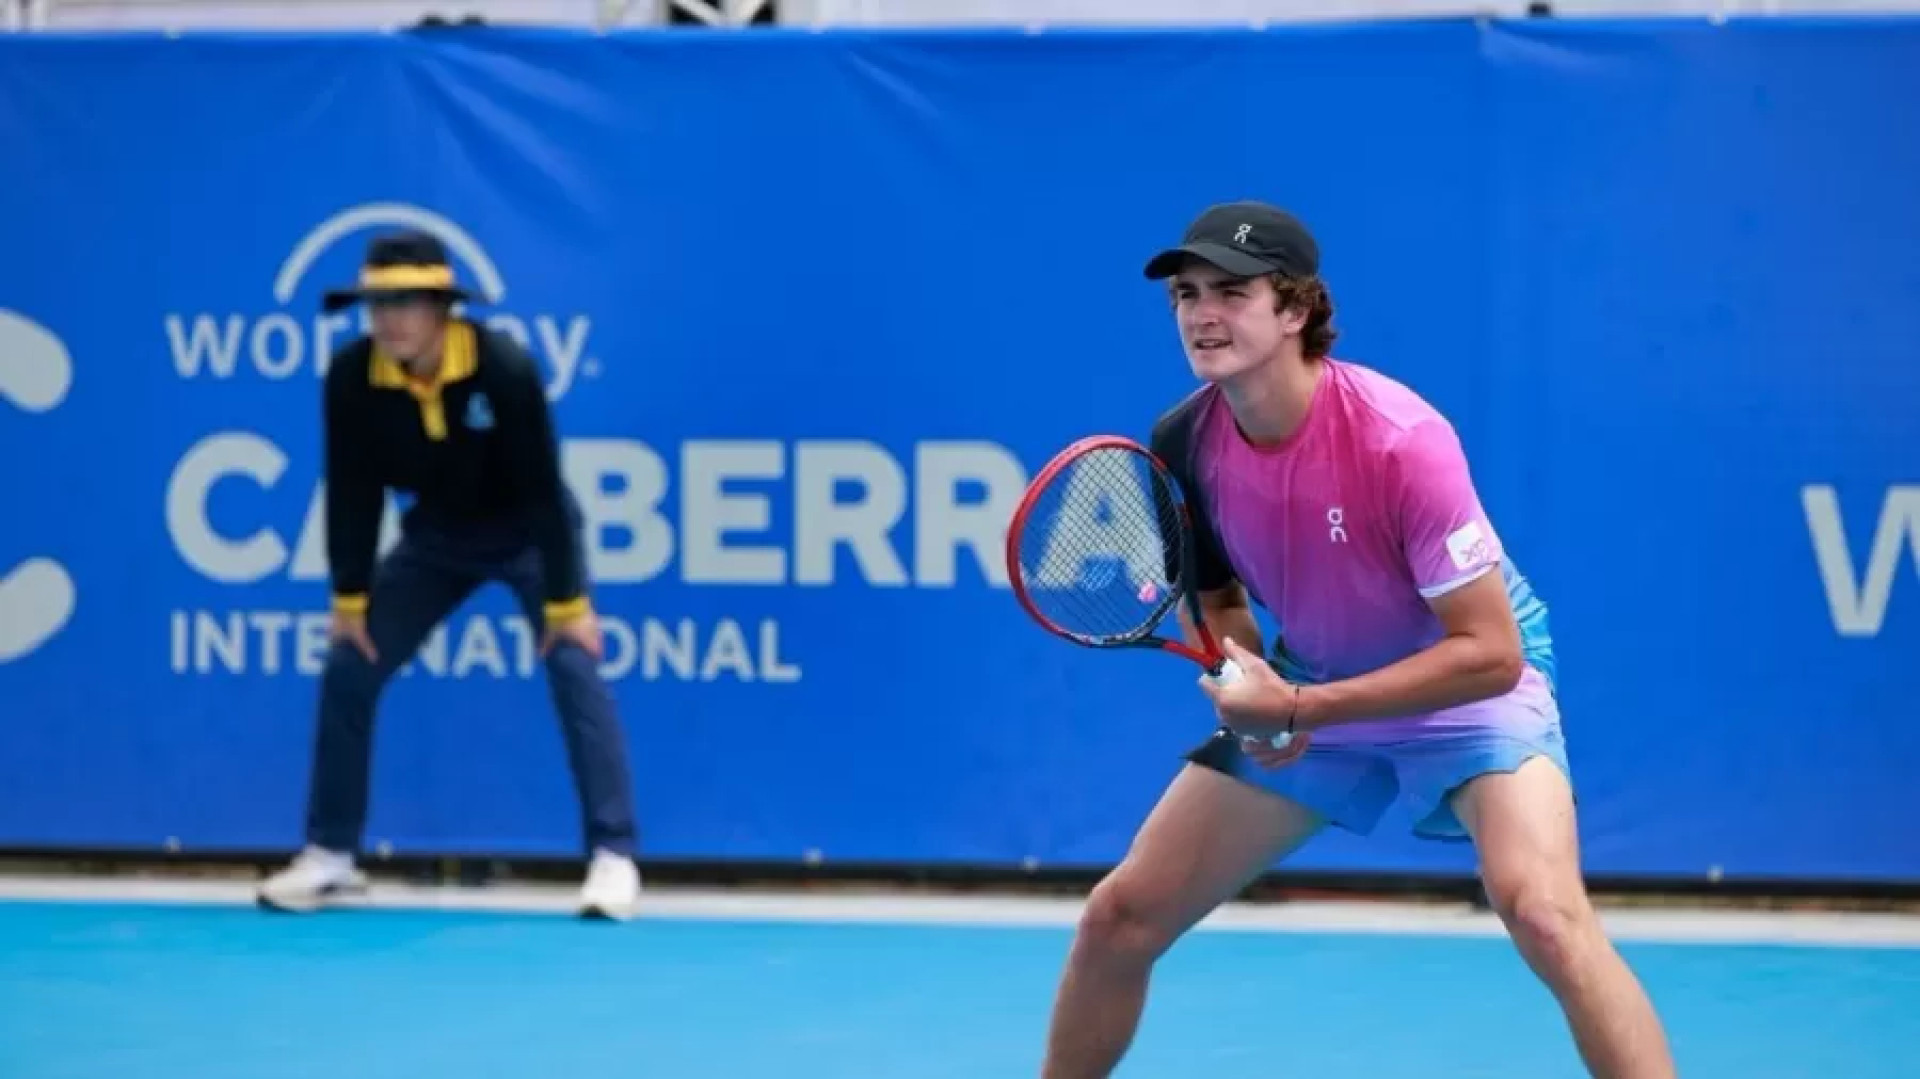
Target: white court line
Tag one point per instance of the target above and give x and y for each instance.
(1688, 926)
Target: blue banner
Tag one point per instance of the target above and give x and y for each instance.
(814, 306)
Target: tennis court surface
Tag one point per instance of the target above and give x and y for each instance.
(189, 982)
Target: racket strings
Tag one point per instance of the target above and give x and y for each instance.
(1100, 554)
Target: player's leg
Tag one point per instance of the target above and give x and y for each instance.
(1209, 836)
(597, 755)
(415, 587)
(1223, 822)
(1522, 822)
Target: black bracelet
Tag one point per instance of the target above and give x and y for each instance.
(1294, 713)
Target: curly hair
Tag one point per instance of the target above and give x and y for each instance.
(1311, 295)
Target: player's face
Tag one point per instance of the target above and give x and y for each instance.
(1228, 324)
(407, 328)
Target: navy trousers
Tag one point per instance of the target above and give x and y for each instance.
(429, 573)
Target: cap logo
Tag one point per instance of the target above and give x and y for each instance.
(1240, 235)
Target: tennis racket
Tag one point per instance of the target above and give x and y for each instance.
(1101, 550)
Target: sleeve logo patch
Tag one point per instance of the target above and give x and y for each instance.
(1469, 546)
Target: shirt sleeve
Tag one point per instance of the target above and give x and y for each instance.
(356, 499)
(1172, 443)
(533, 453)
(1445, 534)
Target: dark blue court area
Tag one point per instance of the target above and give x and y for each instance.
(101, 991)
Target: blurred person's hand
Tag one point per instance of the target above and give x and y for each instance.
(583, 630)
(352, 628)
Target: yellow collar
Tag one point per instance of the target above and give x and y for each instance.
(459, 360)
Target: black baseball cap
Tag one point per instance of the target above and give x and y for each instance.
(1245, 239)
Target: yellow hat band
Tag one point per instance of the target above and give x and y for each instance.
(406, 277)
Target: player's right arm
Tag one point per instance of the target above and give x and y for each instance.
(1223, 601)
(355, 495)
(1228, 615)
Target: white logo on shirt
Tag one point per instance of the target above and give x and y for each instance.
(1468, 546)
(1336, 525)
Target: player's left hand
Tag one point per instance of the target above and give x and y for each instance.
(1257, 706)
(1262, 753)
(583, 630)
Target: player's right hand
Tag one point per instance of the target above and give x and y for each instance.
(1263, 754)
(352, 628)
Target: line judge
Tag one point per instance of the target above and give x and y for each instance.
(433, 404)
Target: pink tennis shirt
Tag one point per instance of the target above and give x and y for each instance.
(1344, 534)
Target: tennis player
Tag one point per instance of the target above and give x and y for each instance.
(1414, 662)
(455, 413)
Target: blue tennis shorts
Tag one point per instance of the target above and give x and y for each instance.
(1352, 785)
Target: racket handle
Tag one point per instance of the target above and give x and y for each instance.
(1230, 673)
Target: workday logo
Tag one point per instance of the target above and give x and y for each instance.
(389, 215)
(36, 597)
(283, 342)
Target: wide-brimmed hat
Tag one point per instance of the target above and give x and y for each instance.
(400, 264)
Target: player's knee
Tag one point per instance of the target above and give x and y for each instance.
(1124, 919)
(1547, 920)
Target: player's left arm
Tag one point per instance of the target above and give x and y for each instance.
(1454, 558)
(533, 453)
(1477, 658)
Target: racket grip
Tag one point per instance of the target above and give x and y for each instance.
(1230, 673)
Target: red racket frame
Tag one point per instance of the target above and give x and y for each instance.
(1208, 656)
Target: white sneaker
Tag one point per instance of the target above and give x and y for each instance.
(315, 877)
(612, 890)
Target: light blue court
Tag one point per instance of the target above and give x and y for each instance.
(113, 990)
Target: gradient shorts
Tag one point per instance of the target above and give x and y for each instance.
(1351, 785)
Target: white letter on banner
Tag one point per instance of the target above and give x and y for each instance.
(943, 525)
(233, 453)
(709, 512)
(1859, 607)
(1092, 483)
(821, 523)
(633, 508)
